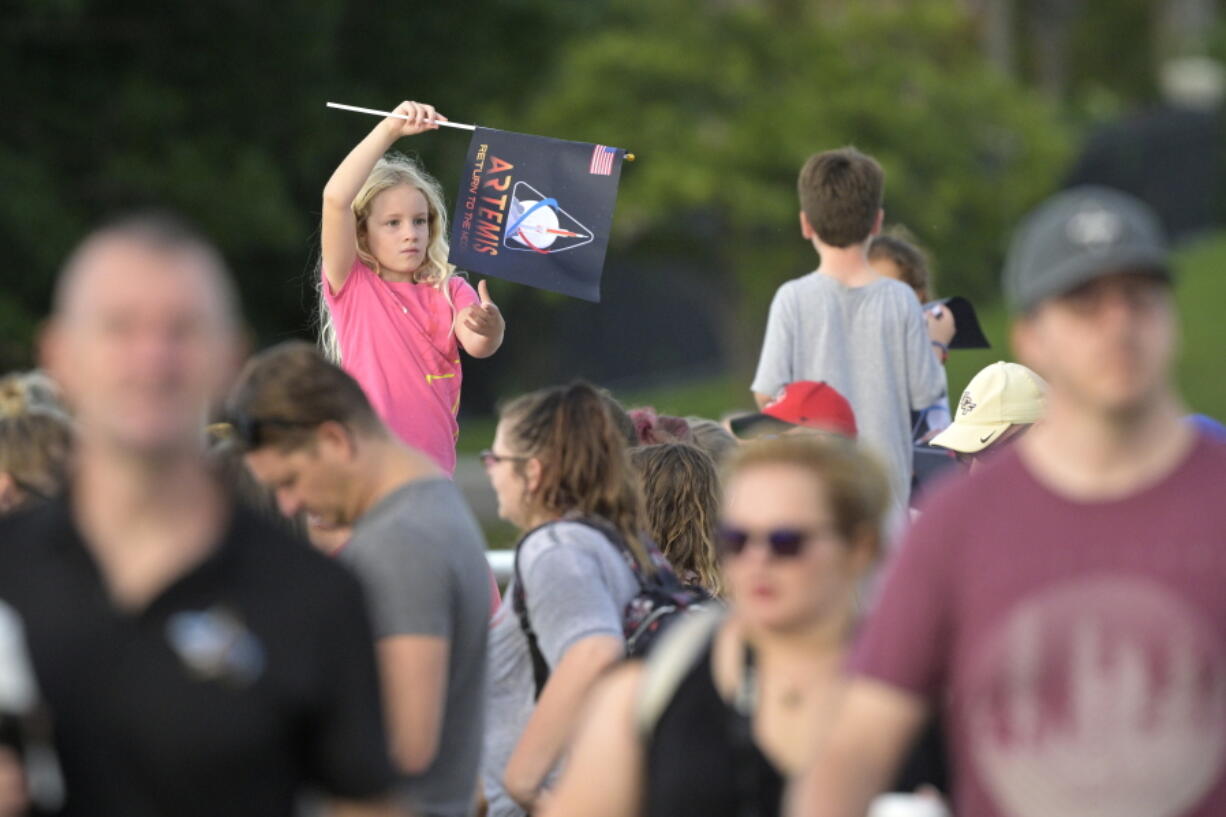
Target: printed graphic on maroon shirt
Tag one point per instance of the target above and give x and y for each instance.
(1078, 649)
(1102, 697)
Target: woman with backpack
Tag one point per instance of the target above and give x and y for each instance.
(729, 706)
(560, 468)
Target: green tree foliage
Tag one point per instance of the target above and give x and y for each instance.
(217, 108)
(722, 108)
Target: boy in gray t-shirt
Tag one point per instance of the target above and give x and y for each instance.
(845, 324)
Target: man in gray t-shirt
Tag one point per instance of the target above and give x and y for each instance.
(845, 324)
(311, 436)
(421, 556)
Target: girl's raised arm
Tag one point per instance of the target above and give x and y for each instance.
(338, 233)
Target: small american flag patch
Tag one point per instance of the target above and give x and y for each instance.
(602, 160)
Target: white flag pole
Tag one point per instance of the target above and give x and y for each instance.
(460, 125)
(373, 112)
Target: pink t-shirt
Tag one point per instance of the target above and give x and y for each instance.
(1076, 650)
(398, 342)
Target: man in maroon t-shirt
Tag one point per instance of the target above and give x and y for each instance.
(1064, 608)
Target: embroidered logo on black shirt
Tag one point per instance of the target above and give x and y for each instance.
(215, 646)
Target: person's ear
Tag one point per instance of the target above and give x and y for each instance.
(532, 474)
(806, 229)
(235, 348)
(241, 347)
(51, 351)
(878, 223)
(335, 441)
(865, 549)
(1024, 338)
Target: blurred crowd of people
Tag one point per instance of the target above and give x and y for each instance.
(862, 598)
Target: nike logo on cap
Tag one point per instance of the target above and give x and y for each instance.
(985, 439)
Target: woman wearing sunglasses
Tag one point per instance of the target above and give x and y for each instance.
(716, 720)
(561, 472)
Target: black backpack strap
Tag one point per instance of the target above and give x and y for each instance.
(744, 750)
(519, 603)
(663, 576)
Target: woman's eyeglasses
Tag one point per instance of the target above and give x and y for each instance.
(489, 458)
(783, 542)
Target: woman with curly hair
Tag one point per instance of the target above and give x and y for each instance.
(681, 488)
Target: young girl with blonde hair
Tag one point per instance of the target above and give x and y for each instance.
(393, 313)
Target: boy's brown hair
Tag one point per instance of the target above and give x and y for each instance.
(840, 194)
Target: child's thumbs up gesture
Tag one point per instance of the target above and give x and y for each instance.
(480, 327)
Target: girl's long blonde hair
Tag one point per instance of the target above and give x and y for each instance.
(392, 170)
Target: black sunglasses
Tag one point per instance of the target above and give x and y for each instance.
(489, 458)
(250, 430)
(784, 542)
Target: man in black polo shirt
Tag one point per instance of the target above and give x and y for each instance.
(195, 660)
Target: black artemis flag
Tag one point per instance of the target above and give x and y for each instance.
(536, 211)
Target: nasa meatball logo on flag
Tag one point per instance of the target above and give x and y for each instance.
(536, 211)
(538, 224)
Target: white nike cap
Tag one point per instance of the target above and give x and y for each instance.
(1001, 395)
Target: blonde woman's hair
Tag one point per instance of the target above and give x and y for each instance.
(681, 491)
(853, 481)
(35, 450)
(392, 170)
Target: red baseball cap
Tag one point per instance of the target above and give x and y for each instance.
(806, 403)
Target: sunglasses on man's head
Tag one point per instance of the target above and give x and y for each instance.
(784, 542)
(250, 430)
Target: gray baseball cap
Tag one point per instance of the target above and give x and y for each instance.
(1077, 236)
